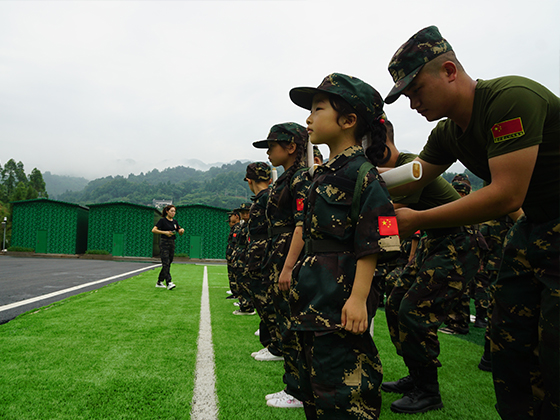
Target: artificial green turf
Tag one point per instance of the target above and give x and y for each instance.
(128, 351)
(125, 351)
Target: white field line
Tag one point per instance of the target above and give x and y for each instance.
(71, 289)
(204, 406)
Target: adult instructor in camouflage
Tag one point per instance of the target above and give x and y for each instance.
(507, 132)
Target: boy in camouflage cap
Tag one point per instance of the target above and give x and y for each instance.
(507, 132)
(462, 184)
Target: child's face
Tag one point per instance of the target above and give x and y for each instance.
(277, 155)
(322, 123)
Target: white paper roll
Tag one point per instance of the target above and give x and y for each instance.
(274, 175)
(310, 158)
(412, 171)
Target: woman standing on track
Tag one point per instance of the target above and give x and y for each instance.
(166, 227)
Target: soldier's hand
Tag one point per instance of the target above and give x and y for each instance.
(406, 220)
(354, 316)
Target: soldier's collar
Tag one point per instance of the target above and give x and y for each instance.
(342, 158)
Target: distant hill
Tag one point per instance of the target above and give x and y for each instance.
(58, 184)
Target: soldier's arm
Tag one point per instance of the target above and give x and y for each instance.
(511, 174)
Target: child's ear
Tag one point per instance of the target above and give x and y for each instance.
(348, 121)
(291, 148)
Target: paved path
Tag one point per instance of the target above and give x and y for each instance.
(23, 279)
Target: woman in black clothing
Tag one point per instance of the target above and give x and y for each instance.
(167, 227)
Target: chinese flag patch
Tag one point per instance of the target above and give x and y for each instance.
(507, 130)
(388, 225)
(299, 204)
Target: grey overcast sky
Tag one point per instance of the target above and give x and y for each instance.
(97, 88)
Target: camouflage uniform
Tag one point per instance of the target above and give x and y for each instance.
(256, 254)
(340, 371)
(239, 258)
(282, 220)
(231, 243)
(509, 114)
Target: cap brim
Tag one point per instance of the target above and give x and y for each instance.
(261, 144)
(401, 85)
(303, 96)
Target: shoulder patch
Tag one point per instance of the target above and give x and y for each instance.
(299, 204)
(507, 130)
(387, 225)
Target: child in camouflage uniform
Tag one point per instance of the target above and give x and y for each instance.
(258, 178)
(287, 146)
(239, 258)
(332, 301)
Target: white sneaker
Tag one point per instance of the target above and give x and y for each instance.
(267, 356)
(285, 402)
(258, 332)
(236, 303)
(229, 292)
(276, 395)
(240, 312)
(261, 351)
(158, 284)
(170, 285)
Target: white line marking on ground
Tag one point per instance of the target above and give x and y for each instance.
(204, 406)
(71, 289)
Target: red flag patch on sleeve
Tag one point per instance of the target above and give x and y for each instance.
(388, 225)
(299, 204)
(507, 130)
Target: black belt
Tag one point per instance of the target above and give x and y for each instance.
(258, 236)
(437, 233)
(272, 231)
(541, 214)
(315, 246)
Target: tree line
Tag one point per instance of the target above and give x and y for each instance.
(222, 187)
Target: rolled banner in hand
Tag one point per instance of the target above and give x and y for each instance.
(310, 158)
(412, 171)
(274, 175)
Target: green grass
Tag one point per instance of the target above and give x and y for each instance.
(128, 351)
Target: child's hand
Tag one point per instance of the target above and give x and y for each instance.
(354, 316)
(285, 279)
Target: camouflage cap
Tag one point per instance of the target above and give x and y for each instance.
(259, 171)
(409, 59)
(288, 132)
(366, 101)
(243, 207)
(317, 153)
(461, 183)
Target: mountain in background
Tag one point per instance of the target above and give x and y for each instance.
(57, 184)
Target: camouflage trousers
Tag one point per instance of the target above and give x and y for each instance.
(167, 252)
(242, 291)
(525, 323)
(340, 375)
(262, 299)
(426, 291)
(289, 341)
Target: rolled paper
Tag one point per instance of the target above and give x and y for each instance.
(274, 175)
(310, 159)
(412, 171)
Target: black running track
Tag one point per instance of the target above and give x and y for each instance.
(25, 278)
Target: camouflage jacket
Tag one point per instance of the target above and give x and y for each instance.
(284, 217)
(323, 280)
(258, 232)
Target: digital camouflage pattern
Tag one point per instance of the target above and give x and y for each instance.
(367, 102)
(289, 132)
(341, 375)
(462, 184)
(282, 220)
(425, 293)
(259, 171)
(525, 322)
(340, 372)
(258, 288)
(327, 217)
(409, 59)
(239, 260)
(231, 242)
